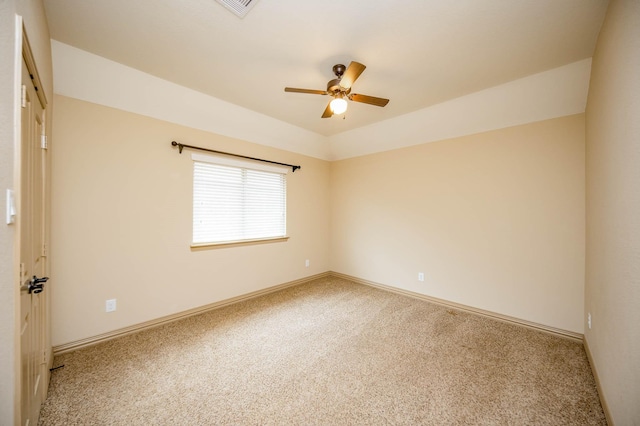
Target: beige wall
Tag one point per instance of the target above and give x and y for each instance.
(613, 211)
(122, 223)
(494, 220)
(32, 13)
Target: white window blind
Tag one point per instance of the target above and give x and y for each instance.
(235, 200)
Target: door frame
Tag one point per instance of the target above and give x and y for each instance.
(24, 54)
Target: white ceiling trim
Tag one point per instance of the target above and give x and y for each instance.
(555, 93)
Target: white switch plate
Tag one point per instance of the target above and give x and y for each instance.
(420, 276)
(110, 305)
(11, 207)
(306, 263)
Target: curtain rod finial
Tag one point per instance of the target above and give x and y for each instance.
(179, 145)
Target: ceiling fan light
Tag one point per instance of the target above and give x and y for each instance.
(338, 106)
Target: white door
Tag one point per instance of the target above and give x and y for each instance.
(31, 220)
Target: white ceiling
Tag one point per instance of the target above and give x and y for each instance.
(418, 53)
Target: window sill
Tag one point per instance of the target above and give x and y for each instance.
(204, 246)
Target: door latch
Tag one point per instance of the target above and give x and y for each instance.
(35, 285)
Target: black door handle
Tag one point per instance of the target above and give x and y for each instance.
(36, 285)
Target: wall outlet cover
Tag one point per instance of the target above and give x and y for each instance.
(110, 305)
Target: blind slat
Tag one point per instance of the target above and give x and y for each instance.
(233, 203)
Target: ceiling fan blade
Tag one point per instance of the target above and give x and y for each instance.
(327, 112)
(351, 74)
(310, 91)
(372, 100)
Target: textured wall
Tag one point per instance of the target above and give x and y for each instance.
(495, 220)
(613, 211)
(122, 223)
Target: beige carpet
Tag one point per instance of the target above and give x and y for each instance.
(329, 352)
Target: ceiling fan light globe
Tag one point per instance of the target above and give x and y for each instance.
(338, 106)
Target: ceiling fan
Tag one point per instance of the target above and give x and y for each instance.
(340, 90)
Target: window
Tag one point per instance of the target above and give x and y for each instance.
(236, 200)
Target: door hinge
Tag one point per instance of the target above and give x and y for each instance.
(45, 250)
(23, 96)
(44, 144)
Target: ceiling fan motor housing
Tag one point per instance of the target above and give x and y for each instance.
(334, 88)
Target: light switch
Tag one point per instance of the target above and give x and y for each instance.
(11, 207)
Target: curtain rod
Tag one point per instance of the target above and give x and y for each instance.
(181, 146)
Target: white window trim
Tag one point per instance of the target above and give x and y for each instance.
(245, 164)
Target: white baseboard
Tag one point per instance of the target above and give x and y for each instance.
(603, 401)
(540, 327)
(79, 344)
(90, 341)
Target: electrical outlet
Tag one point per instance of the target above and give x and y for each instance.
(420, 276)
(110, 305)
(306, 263)
(589, 320)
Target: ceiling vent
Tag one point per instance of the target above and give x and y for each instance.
(238, 7)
